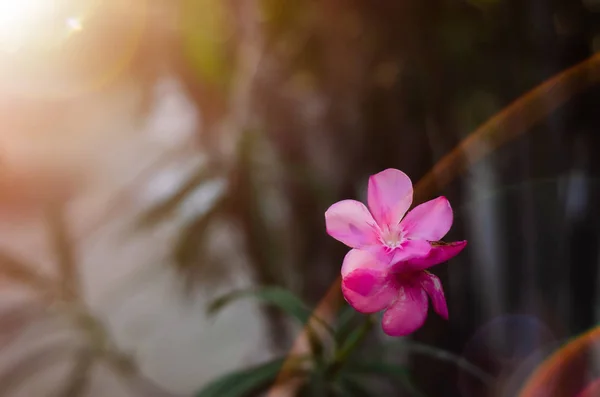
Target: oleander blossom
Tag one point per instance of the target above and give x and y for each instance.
(386, 269)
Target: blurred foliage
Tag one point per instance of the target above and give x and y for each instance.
(343, 89)
(207, 28)
(55, 301)
(279, 297)
(299, 100)
(334, 369)
(242, 383)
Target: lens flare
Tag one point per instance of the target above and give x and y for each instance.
(62, 49)
(567, 372)
(74, 24)
(20, 21)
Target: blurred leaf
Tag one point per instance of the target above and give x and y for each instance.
(344, 324)
(16, 318)
(243, 383)
(276, 296)
(206, 34)
(168, 206)
(64, 251)
(387, 370)
(78, 380)
(283, 15)
(352, 387)
(316, 346)
(315, 386)
(354, 339)
(289, 304)
(443, 355)
(29, 366)
(20, 272)
(190, 252)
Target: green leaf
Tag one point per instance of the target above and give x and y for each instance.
(16, 318)
(276, 296)
(344, 324)
(315, 385)
(352, 387)
(22, 273)
(28, 367)
(206, 35)
(78, 380)
(387, 370)
(355, 338)
(165, 208)
(284, 300)
(243, 383)
(64, 251)
(443, 355)
(189, 249)
(191, 254)
(377, 367)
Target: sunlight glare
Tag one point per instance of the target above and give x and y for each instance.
(74, 24)
(20, 19)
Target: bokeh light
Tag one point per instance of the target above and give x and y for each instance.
(58, 49)
(18, 20)
(506, 347)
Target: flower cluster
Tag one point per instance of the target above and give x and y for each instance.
(387, 266)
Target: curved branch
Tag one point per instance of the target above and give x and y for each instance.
(506, 125)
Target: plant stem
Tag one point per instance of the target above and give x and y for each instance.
(353, 341)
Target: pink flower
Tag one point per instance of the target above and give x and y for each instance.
(386, 270)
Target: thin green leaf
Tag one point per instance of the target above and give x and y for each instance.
(344, 323)
(315, 386)
(30, 366)
(352, 387)
(78, 380)
(167, 207)
(15, 319)
(387, 370)
(17, 271)
(190, 251)
(205, 30)
(284, 300)
(64, 251)
(316, 346)
(443, 355)
(243, 383)
(276, 296)
(350, 345)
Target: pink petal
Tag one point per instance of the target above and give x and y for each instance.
(365, 282)
(428, 221)
(407, 313)
(350, 222)
(360, 259)
(437, 255)
(411, 249)
(433, 286)
(390, 196)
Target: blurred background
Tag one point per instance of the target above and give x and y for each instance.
(156, 154)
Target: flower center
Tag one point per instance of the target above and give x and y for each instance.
(392, 238)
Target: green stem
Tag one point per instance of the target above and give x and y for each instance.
(354, 340)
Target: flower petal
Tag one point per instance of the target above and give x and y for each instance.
(365, 282)
(429, 221)
(350, 222)
(433, 286)
(407, 313)
(390, 196)
(411, 249)
(437, 255)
